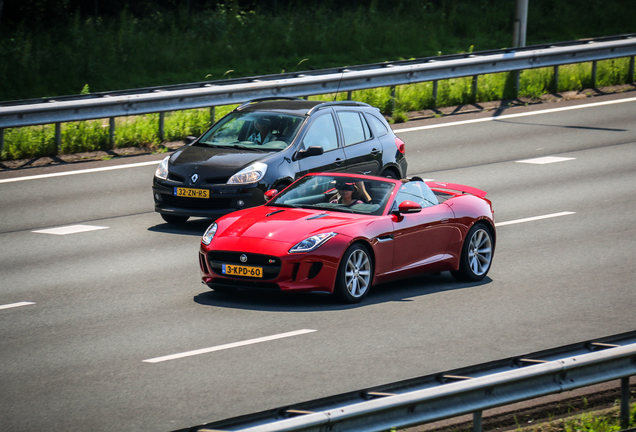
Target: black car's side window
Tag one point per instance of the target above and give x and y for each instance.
(418, 192)
(322, 133)
(378, 125)
(354, 127)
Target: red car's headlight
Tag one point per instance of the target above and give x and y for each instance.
(312, 242)
(209, 234)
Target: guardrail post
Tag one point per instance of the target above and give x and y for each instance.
(474, 95)
(625, 403)
(435, 88)
(58, 138)
(631, 69)
(349, 95)
(555, 80)
(477, 421)
(1, 141)
(392, 99)
(111, 132)
(594, 66)
(162, 120)
(212, 115)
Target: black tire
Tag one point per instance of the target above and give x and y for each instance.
(279, 187)
(477, 254)
(174, 219)
(355, 274)
(389, 173)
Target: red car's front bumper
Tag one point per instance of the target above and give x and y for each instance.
(313, 271)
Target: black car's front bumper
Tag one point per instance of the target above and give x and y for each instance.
(223, 199)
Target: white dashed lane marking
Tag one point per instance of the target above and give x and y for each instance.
(535, 218)
(227, 346)
(14, 305)
(71, 229)
(545, 160)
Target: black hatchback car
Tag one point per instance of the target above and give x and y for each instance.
(268, 144)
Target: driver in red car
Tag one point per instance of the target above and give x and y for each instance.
(345, 195)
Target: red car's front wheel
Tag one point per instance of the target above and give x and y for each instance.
(354, 274)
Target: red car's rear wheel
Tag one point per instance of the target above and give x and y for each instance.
(476, 255)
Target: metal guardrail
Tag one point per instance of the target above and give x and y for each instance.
(174, 98)
(454, 393)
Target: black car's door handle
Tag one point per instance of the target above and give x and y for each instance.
(338, 161)
(375, 152)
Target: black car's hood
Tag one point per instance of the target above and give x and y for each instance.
(212, 162)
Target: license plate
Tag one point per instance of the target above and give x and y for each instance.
(191, 193)
(237, 270)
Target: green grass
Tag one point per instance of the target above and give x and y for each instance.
(87, 54)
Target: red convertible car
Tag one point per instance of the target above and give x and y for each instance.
(343, 233)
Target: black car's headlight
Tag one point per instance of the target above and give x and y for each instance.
(250, 174)
(311, 243)
(209, 234)
(162, 169)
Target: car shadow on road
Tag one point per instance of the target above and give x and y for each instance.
(195, 227)
(274, 301)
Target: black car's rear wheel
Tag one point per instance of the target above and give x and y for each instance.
(355, 274)
(477, 254)
(174, 219)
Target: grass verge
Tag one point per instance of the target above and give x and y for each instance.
(143, 131)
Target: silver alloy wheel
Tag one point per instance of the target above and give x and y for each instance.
(480, 252)
(358, 273)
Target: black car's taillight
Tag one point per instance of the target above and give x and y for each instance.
(400, 145)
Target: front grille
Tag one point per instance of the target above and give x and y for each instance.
(197, 203)
(175, 177)
(216, 180)
(271, 265)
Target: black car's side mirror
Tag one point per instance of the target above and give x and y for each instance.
(189, 139)
(311, 151)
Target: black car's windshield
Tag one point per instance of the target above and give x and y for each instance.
(337, 193)
(256, 130)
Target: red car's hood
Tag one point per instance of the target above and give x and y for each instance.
(287, 225)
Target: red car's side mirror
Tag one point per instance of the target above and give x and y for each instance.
(270, 194)
(409, 207)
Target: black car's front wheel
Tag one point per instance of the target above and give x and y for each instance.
(355, 274)
(477, 254)
(174, 219)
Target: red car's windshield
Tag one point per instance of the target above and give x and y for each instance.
(353, 195)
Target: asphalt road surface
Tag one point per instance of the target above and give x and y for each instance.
(102, 317)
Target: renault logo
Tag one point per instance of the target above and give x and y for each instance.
(193, 178)
(243, 258)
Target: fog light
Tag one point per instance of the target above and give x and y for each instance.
(158, 197)
(240, 203)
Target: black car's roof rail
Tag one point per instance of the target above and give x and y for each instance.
(249, 102)
(341, 103)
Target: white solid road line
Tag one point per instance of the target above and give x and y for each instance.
(530, 219)
(84, 171)
(14, 305)
(71, 229)
(228, 346)
(509, 116)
